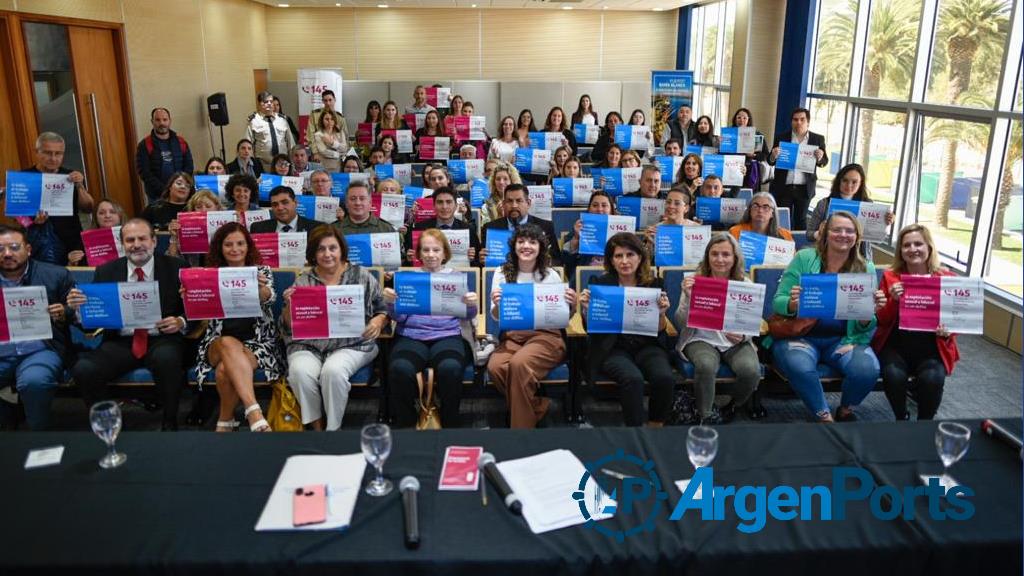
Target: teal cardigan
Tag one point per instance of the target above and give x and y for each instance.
(807, 261)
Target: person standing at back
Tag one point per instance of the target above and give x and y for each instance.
(160, 154)
(791, 188)
(268, 131)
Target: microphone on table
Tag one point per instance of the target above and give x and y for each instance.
(490, 469)
(410, 487)
(996, 431)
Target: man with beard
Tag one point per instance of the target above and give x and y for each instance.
(33, 367)
(516, 207)
(160, 349)
(161, 154)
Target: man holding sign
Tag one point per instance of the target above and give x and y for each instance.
(286, 219)
(33, 328)
(160, 348)
(792, 187)
(359, 218)
(445, 204)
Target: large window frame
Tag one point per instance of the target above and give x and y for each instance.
(980, 258)
(722, 15)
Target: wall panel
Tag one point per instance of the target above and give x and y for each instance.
(636, 43)
(541, 45)
(396, 44)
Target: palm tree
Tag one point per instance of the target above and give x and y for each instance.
(1014, 154)
(835, 50)
(969, 27)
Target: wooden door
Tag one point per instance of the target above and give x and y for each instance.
(104, 106)
(260, 79)
(13, 131)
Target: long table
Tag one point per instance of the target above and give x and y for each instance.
(187, 502)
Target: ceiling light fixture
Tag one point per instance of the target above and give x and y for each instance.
(382, 5)
(282, 5)
(566, 7)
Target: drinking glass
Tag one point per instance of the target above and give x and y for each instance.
(701, 445)
(376, 444)
(105, 418)
(951, 442)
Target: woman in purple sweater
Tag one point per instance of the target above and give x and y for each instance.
(443, 343)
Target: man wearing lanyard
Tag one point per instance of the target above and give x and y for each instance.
(33, 366)
(516, 207)
(268, 130)
(160, 349)
(794, 189)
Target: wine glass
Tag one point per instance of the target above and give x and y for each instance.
(376, 444)
(951, 441)
(105, 418)
(701, 445)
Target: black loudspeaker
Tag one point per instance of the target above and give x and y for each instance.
(217, 107)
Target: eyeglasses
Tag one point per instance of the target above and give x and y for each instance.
(761, 207)
(16, 247)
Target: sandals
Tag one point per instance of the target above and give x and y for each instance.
(260, 425)
(227, 425)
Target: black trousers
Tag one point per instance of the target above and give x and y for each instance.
(164, 358)
(447, 356)
(629, 369)
(797, 199)
(898, 365)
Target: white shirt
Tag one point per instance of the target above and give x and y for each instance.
(504, 151)
(796, 177)
(147, 272)
(552, 277)
(294, 225)
(588, 120)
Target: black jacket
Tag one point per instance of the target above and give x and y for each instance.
(779, 183)
(600, 345)
(257, 167)
(545, 225)
(303, 224)
(148, 162)
(165, 272)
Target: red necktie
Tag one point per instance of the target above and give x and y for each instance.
(140, 339)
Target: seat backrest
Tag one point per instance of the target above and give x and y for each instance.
(284, 278)
(770, 276)
(800, 239)
(785, 220)
(485, 301)
(584, 274)
(563, 219)
(672, 278)
(82, 274)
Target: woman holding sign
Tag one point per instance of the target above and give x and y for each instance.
(850, 183)
(708, 349)
(320, 370)
(841, 344)
(234, 348)
(201, 201)
(630, 358)
(107, 214)
(605, 140)
(504, 146)
(760, 217)
(690, 174)
(524, 356)
(905, 353)
(503, 175)
(442, 343)
(558, 122)
(705, 135)
(176, 194)
(600, 203)
(742, 118)
(677, 208)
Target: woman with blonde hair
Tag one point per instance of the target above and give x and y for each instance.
(503, 175)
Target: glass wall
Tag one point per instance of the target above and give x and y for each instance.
(926, 95)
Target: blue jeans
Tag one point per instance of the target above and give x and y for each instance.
(798, 360)
(35, 377)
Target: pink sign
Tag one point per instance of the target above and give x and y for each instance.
(457, 126)
(955, 302)
(414, 121)
(210, 293)
(434, 148)
(920, 305)
(102, 245)
(327, 312)
(729, 305)
(198, 228)
(281, 249)
(425, 209)
(309, 312)
(366, 133)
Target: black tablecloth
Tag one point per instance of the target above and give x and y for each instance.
(187, 503)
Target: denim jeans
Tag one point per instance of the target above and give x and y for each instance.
(35, 377)
(798, 360)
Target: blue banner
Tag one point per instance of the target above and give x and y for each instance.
(713, 164)
(305, 206)
(788, 153)
(753, 246)
(610, 180)
(412, 194)
(340, 182)
(693, 149)
(818, 295)
(597, 228)
(497, 246)
(709, 210)
(605, 310)
(360, 249)
(213, 183)
(102, 308)
(624, 136)
(478, 193)
(670, 89)
(668, 245)
(530, 161)
(516, 309)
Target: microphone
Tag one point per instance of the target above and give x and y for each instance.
(1002, 434)
(410, 487)
(486, 463)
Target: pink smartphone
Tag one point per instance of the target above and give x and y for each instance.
(309, 505)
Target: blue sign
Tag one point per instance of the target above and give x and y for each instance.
(412, 194)
(497, 246)
(693, 149)
(671, 89)
(788, 153)
(709, 209)
(102, 308)
(713, 164)
(670, 166)
(458, 170)
(516, 311)
(605, 311)
(668, 245)
(478, 193)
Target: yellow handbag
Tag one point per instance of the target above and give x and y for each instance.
(430, 418)
(283, 415)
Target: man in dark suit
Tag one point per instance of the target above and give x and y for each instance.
(161, 349)
(445, 206)
(286, 219)
(516, 207)
(791, 188)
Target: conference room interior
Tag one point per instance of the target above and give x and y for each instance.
(894, 108)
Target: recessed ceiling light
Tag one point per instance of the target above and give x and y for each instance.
(472, 5)
(566, 7)
(382, 5)
(604, 7)
(657, 9)
(338, 4)
(282, 5)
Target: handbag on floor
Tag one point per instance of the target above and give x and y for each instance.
(780, 326)
(430, 418)
(284, 415)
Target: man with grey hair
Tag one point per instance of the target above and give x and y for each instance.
(53, 237)
(268, 131)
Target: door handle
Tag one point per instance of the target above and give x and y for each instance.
(99, 142)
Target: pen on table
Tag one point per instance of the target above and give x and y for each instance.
(616, 475)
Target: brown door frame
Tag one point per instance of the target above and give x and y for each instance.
(15, 59)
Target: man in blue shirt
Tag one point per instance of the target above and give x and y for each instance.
(161, 154)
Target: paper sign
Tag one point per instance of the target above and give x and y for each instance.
(837, 296)
(477, 128)
(793, 156)
(619, 181)
(541, 200)
(533, 307)
(676, 245)
(479, 190)
(497, 246)
(870, 214)
(198, 228)
(439, 97)
(340, 181)
(400, 172)
(533, 161)
(211, 293)
(623, 310)
(320, 208)
(215, 183)
(546, 140)
(724, 210)
(572, 191)
(281, 249)
(102, 245)
(598, 228)
(647, 210)
(462, 171)
(434, 148)
(253, 216)
(729, 168)
(389, 208)
(586, 133)
(380, 249)
(320, 312)
(739, 140)
(728, 305)
(424, 210)
(24, 316)
(761, 250)
(28, 193)
(701, 151)
(415, 121)
(431, 294)
(270, 181)
(403, 140)
(956, 303)
(630, 137)
(118, 305)
(414, 193)
(458, 241)
(460, 470)
(670, 166)
(44, 457)
(366, 133)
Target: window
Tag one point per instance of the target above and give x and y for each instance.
(878, 147)
(891, 48)
(833, 47)
(970, 39)
(828, 117)
(712, 33)
(1005, 268)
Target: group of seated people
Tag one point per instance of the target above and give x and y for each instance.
(320, 371)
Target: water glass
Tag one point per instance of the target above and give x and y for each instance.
(951, 442)
(701, 445)
(376, 444)
(105, 418)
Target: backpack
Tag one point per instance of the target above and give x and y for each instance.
(182, 145)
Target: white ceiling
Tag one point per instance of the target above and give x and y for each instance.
(542, 4)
